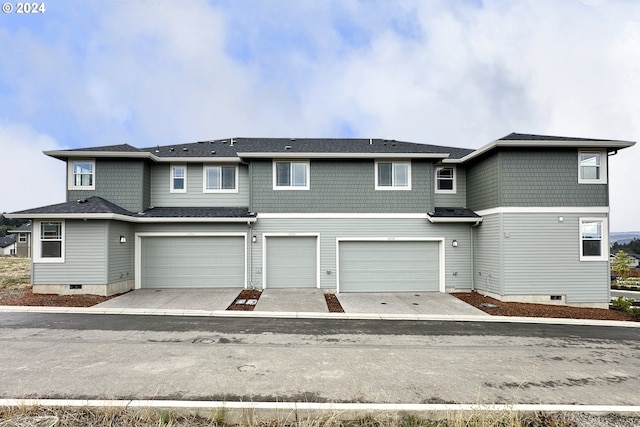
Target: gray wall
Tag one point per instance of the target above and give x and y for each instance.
(120, 265)
(530, 178)
(488, 254)
(543, 254)
(161, 196)
(119, 181)
(453, 200)
(85, 256)
(342, 186)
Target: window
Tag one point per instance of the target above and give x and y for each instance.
(22, 238)
(446, 180)
(592, 167)
(593, 245)
(50, 246)
(220, 179)
(393, 175)
(290, 175)
(178, 179)
(82, 175)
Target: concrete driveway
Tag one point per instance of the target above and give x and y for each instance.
(294, 301)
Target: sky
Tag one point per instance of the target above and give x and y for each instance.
(455, 73)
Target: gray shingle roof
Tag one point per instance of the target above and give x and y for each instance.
(197, 212)
(24, 228)
(6, 241)
(531, 137)
(453, 213)
(83, 206)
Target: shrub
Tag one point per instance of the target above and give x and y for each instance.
(622, 303)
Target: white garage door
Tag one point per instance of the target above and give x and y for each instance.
(192, 262)
(388, 266)
(291, 262)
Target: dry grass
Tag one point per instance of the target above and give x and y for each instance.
(15, 274)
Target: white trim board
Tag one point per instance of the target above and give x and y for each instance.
(337, 215)
(551, 209)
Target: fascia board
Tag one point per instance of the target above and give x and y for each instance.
(287, 155)
(62, 154)
(613, 144)
(434, 220)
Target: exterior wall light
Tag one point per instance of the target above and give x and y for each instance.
(254, 239)
(454, 243)
(123, 239)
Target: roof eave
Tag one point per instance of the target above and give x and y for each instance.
(308, 155)
(127, 218)
(440, 219)
(613, 145)
(65, 154)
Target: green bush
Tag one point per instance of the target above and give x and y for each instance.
(635, 312)
(622, 303)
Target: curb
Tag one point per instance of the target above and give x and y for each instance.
(315, 315)
(256, 407)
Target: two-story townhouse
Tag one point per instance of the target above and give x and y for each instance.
(524, 218)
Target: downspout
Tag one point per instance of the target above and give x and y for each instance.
(251, 286)
(473, 256)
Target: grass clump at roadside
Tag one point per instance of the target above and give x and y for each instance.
(147, 417)
(15, 273)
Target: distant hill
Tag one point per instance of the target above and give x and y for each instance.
(623, 237)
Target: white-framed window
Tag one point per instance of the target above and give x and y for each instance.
(593, 239)
(592, 167)
(393, 175)
(291, 175)
(446, 180)
(49, 241)
(219, 179)
(82, 174)
(178, 179)
(22, 238)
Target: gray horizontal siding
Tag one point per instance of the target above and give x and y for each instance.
(162, 197)
(542, 256)
(119, 181)
(342, 186)
(459, 199)
(120, 266)
(457, 259)
(85, 256)
(487, 255)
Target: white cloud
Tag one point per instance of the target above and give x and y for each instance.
(29, 178)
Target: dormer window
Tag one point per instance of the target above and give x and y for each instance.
(592, 167)
(82, 174)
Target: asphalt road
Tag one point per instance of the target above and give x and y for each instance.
(80, 356)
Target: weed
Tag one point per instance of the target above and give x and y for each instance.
(622, 303)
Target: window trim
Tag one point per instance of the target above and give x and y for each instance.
(392, 187)
(603, 167)
(172, 167)
(37, 247)
(22, 237)
(604, 241)
(454, 190)
(307, 164)
(71, 182)
(221, 190)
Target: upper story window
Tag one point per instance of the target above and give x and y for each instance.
(178, 179)
(220, 179)
(394, 175)
(593, 241)
(592, 167)
(50, 242)
(22, 238)
(446, 180)
(290, 175)
(82, 175)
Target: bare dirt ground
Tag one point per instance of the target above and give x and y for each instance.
(15, 289)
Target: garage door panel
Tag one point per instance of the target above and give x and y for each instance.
(291, 262)
(192, 262)
(389, 266)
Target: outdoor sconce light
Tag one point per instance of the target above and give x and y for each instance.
(123, 239)
(560, 219)
(454, 243)
(254, 239)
